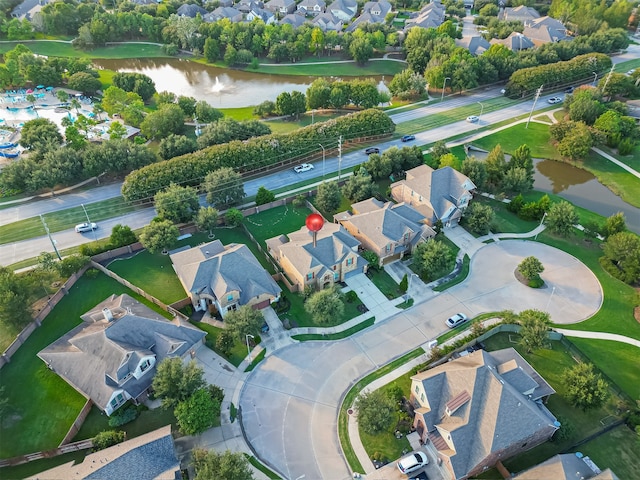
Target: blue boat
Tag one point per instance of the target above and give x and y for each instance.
(8, 145)
(9, 154)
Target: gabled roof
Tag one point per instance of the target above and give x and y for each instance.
(569, 466)
(515, 41)
(293, 19)
(545, 29)
(222, 12)
(519, 14)
(190, 10)
(151, 456)
(349, 7)
(279, 4)
(28, 7)
(489, 413)
(309, 4)
(99, 356)
(327, 21)
(261, 13)
(430, 16)
(216, 270)
(476, 45)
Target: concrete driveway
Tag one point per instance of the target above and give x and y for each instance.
(290, 401)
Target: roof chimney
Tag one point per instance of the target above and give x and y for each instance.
(108, 316)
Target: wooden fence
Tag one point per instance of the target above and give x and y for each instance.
(61, 450)
(77, 424)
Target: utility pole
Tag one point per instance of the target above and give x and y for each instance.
(95, 235)
(535, 100)
(604, 87)
(339, 157)
(53, 242)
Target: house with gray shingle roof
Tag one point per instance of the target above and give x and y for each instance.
(312, 7)
(345, 10)
(440, 194)
(568, 466)
(389, 230)
(333, 258)
(515, 42)
(111, 356)
(219, 13)
(521, 14)
(267, 16)
(151, 456)
(476, 45)
(544, 30)
(190, 10)
(283, 7)
(372, 12)
(245, 6)
(429, 16)
(294, 19)
(28, 8)
(227, 277)
(328, 21)
(481, 408)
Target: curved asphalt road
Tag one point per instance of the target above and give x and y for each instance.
(290, 401)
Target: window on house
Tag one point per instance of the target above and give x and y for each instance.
(388, 248)
(349, 261)
(310, 276)
(335, 266)
(336, 276)
(230, 297)
(422, 397)
(144, 365)
(417, 388)
(406, 237)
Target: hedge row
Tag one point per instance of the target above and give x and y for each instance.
(526, 80)
(254, 154)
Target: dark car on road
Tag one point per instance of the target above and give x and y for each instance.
(408, 138)
(371, 150)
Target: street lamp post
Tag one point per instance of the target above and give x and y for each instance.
(409, 286)
(443, 87)
(248, 349)
(323, 158)
(95, 235)
(595, 78)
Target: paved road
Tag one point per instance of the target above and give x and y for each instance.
(291, 400)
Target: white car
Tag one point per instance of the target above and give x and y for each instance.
(457, 319)
(86, 227)
(473, 118)
(631, 72)
(412, 462)
(305, 167)
(554, 100)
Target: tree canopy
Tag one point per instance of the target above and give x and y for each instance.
(325, 306)
(175, 382)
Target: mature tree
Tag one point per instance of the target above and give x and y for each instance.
(576, 143)
(615, 224)
(585, 388)
(135, 82)
(228, 129)
(562, 217)
(197, 413)
(129, 105)
(168, 119)
(15, 309)
(176, 203)
(433, 259)
(496, 167)
(187, 105)
(246, 320)
(328, 197)
(438, 150)
(476, 170)
(325, 305)
(40, 134)
(407, 84)
(107, 439)
(359, 186)
(534, 327)
(159, 236)
(221, 466)
(207, 219)
(379, 166)
(62, 95)
(264, 196)
(622, 256)
(57, 167)
(85, 83)
(176, 145)
(233, 217)
(116, 131)
(450, 160)
(174, 382)
(584, 108)
(531, 268)
(521, 158)
(376, 410)
(361, 50)
(516, 180)
(206, 113)
(224, 187)
(224, 342)
(478, 217)
(122, 235)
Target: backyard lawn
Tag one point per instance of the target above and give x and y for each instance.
(537, 137)
(42, 406)
(617, 450)
(276, 221)
(505, 221)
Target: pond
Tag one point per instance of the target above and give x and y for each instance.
(221, 87)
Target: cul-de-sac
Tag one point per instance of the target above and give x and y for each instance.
(320, 240)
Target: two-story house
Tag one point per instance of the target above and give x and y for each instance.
(545, 30)
(190, 10)
(219, 13)
(28, 9)
(226, 277)
(111, 356)
(389, 230)
(441, 194)
(267, 16)
(327, 21)
(333, 258)
(312, 7)
(429, 16)
(372, 12)
(345, 10)
(567, 466)
(281, 7)
(481, 408)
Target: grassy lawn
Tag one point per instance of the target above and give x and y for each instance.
(64, 219)
(385, 283)
(379, 67)
(41, 405)
(61, 49)
(238, 351)
(536, 137)
(8, 334)
(617, 450)
(461, 277)
(258, 358)
(505, 221)
(234, 235)
(305, 337)
(458, 151)
(612, 176)
(277, 221)
(632, 160)
(263, 468)
(32, 468)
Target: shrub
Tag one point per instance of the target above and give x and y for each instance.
(626, 146)
(92, 273)
(233, 217)
(299, 201)
(123, 416)
(217, 393)
(351, 296)
(108, 439)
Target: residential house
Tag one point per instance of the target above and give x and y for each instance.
(267, 16)
(294, 19)
(481, 408)
(389, 230)
(245, 6)
(544, 30)
(111, 356)
(282, 7)
(332, 259)
(515, 42)
(151, 456)
(441, 194)
(429, 16)
(328, 21)
(372, 12)
(227, 277)
(568, 466)
(190, 10)
(520, 14)
(219, 13)
(221, 3)
(476, 45)
(312, 7)
(28, 8)
(345, 10)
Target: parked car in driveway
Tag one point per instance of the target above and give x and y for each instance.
(408, 138)
(371, 150)
(86, 227)
(473, 118)
(413, 462)
(554, 100)
(303, 167)
(457, 319)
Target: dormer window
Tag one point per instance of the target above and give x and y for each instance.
(145, 365)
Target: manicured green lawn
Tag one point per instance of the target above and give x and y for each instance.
(32, 468)
(617, 450)
(614, 177)
(536, 137)
(277, 221)
(461, 277)
(305, 337)
(61, 49)
(632, 160)
(42, 406)
(385, 283)
(505, 221)
(238, 351)
(380, 67)
(458, 151)
(240, 114)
